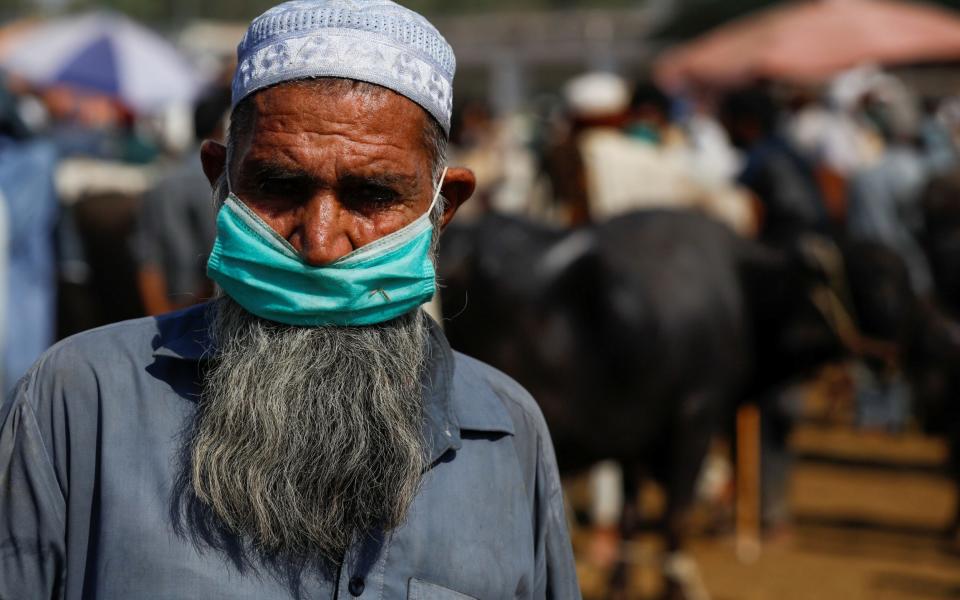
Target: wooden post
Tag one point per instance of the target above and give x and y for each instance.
(748, 483)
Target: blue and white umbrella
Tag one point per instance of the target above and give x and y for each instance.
(105, 53)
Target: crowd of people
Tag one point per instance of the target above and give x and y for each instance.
(850, 158)
(773, 162)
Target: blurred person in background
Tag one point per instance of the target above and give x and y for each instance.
(945, 122)
(30, 213)
(12, 124)
(829, 132)
(694, 150)
(499, 151)
(833, 139)
(595, 102)
(94, 125)
(885, 208)
(176, 224)
(782, 180)
(628, 155)
(792, 208)
(473, 141)
(936, 137)
(713, 158)
(885, 195)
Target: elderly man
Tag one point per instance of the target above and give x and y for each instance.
(310, 434)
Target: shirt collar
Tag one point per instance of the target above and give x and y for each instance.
(442, 427)
(451, 401)
(184, 334)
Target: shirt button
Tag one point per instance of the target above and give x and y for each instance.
(356, 586)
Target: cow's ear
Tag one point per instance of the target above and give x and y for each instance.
(570, 264)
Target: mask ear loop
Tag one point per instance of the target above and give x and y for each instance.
(226, 173)
(436, 194)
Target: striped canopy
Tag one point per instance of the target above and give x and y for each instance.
(105, 53)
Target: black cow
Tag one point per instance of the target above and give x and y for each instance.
(635, 336)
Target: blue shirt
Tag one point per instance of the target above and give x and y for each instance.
(88, 458)
(26, 183)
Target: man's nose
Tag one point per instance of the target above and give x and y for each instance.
(322, 234)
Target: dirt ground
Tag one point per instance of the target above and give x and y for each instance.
(867, 511)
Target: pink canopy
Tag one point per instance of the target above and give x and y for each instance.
(808, 41)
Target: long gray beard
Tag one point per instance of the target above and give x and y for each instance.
(309, 437)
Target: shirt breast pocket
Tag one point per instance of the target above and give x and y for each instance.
(424, 590)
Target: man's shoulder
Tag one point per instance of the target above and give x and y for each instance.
(507, 388)
(100, 344)
(485, 395)
(489, 402)
(118, 350)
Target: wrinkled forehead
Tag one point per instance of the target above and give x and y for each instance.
(357, 105)
(331, 119)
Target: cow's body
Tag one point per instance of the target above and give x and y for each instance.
(636, 336)
(627, 334)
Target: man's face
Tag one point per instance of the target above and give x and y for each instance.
(331, 168)
(332, 171)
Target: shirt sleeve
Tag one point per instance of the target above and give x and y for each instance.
(556, 569)
(32, 507)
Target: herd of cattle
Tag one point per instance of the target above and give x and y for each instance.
(640, 336)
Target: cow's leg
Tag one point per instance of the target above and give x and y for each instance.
(629, 524)
(778, 412)
(606, 509)
(691, 436)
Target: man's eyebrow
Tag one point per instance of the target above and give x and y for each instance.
(266, 169)
(387, 180)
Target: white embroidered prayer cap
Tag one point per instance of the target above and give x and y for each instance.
(377, 41)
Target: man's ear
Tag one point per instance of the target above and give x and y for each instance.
(457, 187)
(213, 156)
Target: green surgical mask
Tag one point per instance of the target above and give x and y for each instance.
(262, 272)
